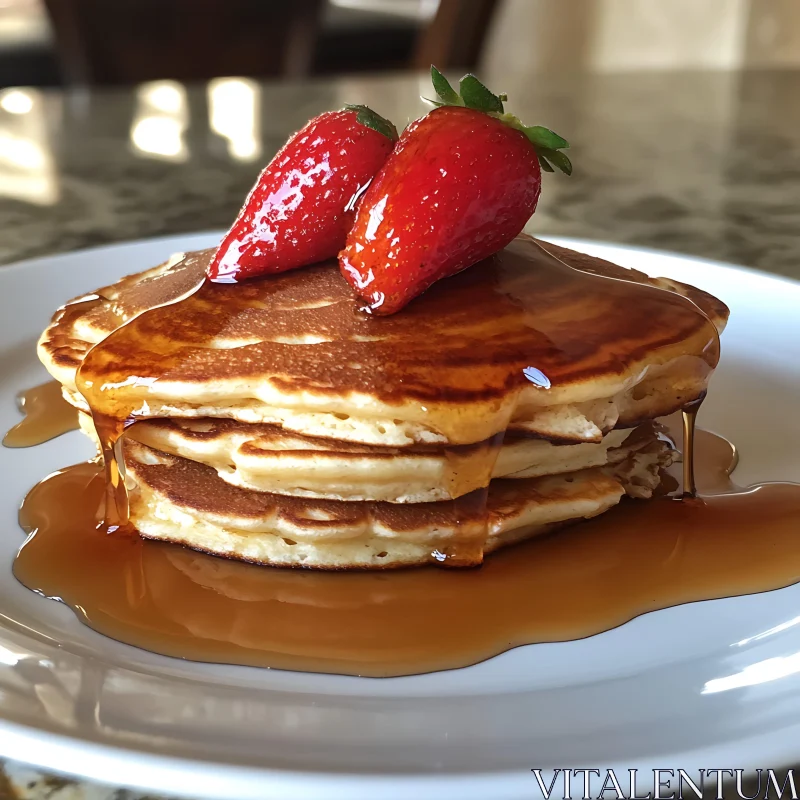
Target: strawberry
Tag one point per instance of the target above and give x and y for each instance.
(304, 201)
(460, 184)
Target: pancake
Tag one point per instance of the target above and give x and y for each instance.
(276, 422)
(267, 458)
(564, 348)
(182, 501)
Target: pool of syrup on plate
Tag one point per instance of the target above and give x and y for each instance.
(47, 415)
(638, 557)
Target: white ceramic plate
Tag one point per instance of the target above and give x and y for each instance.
(637, 696)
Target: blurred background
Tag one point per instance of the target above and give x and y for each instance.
(56, 42)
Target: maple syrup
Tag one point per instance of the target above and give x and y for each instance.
(689, 419)
(111, 419)
(47, 415)
(638, 557)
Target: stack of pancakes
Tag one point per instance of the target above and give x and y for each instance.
(278, 423)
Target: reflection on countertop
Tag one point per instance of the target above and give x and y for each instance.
(27, 171)
(703, 163)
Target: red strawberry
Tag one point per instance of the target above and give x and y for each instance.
(460, 184)
(304, 201)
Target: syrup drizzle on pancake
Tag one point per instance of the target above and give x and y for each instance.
(111, 419)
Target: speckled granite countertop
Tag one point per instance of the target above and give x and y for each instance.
(702, 163)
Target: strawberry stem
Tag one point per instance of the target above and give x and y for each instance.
(473, 94)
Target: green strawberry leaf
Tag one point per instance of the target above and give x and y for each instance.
(443, 88)
(371, 119)
(544, 137)
(544, 163)
(557, 159)
(477, 96)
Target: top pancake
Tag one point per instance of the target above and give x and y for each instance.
(565, 348)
